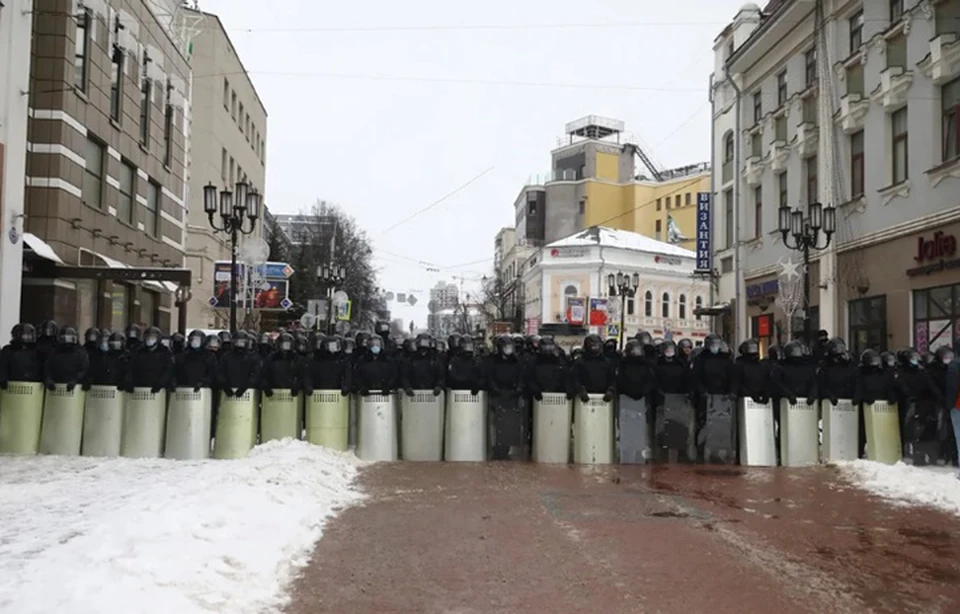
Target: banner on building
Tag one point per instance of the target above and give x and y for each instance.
(576, 310)
(266, 287)
(704, 235)
(598, 312)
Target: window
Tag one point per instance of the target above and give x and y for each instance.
(648, 304)
(756, 145)
(855, 79)
(151, 223)
(665, 306)
(125, 203)
(936, 315)
(810, 110)
(897, 51)
(898, 123)
(659, 205)
(532, 207)
(582, 208)
(630, 306)
(682, 307)
(116, 84)
(168, 128)
(668, 203)
(728, 157)
(145, 103)
(233, 105)
(81, 62)
(868, 324)
(728, 217)
(782, 189)
(896, 10)
(856, 164)
(223, 165)
(93, 174)
(780, 128)
(659, 230)
(699, 306)
(810, 169)
(758, 211)
(232, 169)
(810, 66)
(950, 125)
(757, 107)
(726, 265)
(856, 31)
(240, 117)
(782, 89)
(226, 94)
(947, 17)
(687, 198)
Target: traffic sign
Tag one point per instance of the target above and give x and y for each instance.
(286, 303)
(613, 330)
(213, 301)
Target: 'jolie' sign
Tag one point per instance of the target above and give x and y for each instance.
(940, 246)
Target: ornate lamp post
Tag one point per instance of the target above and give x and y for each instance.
(235, 209)
(330, 275)
(806, 232)
(625, 286)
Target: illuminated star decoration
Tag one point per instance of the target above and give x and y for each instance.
(789, 268)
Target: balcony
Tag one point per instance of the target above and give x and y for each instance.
(942, 64)
(892, 91)
(853, 110)
(779, 154)
(753, 170)
(805, 143)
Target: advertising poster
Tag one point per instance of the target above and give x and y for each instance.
(272, 297)
(704, 236)
(576, 311)
(266, 287)
(598, 312)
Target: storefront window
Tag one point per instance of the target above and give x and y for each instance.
(868, 325)
(936, 317)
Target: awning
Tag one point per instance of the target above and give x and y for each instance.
(161, 286)
(713, 310)
(40, 247)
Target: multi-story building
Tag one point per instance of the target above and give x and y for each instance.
(16, 24)
(227, 145)
(106, 162)
(854, 105)
(511, 252)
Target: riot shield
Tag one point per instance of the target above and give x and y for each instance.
(841, 431)
(634, 446)
(882, 424)
(675, 430)
(377, 427)
(552, 417)
(188, 424)
(21, 415)
(466, 426)
(62, 428)
(593, 431)
(799, 433)
(921, 436)
(328, 419)
(758, 446)
(103, 422)
(421, 426)
(144, 422)
(508, 417)
(279, 416)
(353, 430)
(718, 437)
(238, 423)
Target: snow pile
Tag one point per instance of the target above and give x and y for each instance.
(936, 487)
(84, 535)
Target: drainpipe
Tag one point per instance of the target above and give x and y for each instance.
(737, 139)
(603, 266)
(713, 169)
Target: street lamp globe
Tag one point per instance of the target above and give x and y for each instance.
(210, 199)
(635, 281)
(226, 204)
(241, 189)
(253, 205)
(784, 220)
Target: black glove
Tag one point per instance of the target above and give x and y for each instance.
(50, 385)
(408, 392)
(3, 385)
(869, 401)
(437, 391)
(538, 396)
(607, 397)
(792, 400)
(155, 389)
(474, 392)
(811, 400)
(584, 396)
(364, 392)
(229, 392)
(834, 401)
(197, 388)
(570, 396)
(268, 392)
(343, 393)
(756, 399)
(71, 386)
(85, 387)
(241, 392)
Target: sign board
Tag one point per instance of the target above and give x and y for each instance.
(569, 252)
(576, 310)
(613, 331)
(270, 291)
(598, 312)
(343, 311)
(671, 260)
(533, 325)
(704, 235)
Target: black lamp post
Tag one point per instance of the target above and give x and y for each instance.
(235, 209)
(330, 275)
(806, 232)
(625, 286)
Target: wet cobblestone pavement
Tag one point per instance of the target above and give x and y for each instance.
(512, 537)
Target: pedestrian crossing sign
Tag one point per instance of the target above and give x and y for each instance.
(613, 331)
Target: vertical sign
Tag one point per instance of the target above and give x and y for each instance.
(704, 238)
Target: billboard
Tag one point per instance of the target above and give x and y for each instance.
(266, 287)
(598, 312)
(704, 236)
(576, 311)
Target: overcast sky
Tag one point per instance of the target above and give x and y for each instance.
(385, 107)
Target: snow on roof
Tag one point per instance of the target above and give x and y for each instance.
(610, 237)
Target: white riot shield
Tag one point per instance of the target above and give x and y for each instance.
(635, 443)
(719, 433)
(103, 422)
(882, 423)
(421, 426)
(593, 431)
(144, 422)
(238, 423)
(466, 426)
(377, 427)
(279, 416)
(841, 431)
(328, 419)
(62, 429)
(21, 415)
(188, 424)
(799, 433)
(551, 428)
(758, 446)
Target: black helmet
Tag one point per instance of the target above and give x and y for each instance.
(196, 339)
(382, 328)
(424, 342)
(610, 346)
(750, 347)
(409, 345)
(888, 359)
(773, 353)
(284, 342)
(374, 345)
(548, 347)
(225, 337)
(151, 338)
(453, 341)
(348, 346)
(117, 342)
(506, 345)
(793, 351)
(361, 338)
(534, 342)
(945, 354)
(28, 334)
(48, 330)
(909, 357)
(712, 343)
(836, 347)
(633, 349)
(334, 345)
(242, 341)
(644, 338)
(466, 346)
(668, 349)
(927, 359)
(133, 333)
(301, 343)
(91, 336)
(592, 344)
(870, 358)
(68, 336)
(178, 341)
(214, 343)
(685, 346)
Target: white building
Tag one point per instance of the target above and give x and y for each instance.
(574, 270)
(16, 22)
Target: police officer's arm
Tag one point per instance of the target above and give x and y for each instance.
(83, 367)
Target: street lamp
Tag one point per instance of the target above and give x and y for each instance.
(235, 209)
(806, 232)
(625, 286)
(331, 275)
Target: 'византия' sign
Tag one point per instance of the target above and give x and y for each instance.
(704, 237)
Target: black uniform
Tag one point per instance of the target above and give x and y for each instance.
(838, 376)
(239, 368)
(424, 370)
(282, 369)
(196, 366)
(328, 368)
(108, 363)
(796, 376)
(375, 371)
(68, 363)
(465, 369)
(19, 360)
(753, 374)
(592, 372)
(151, 364)
(548, 372)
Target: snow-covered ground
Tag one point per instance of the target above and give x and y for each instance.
(83, 535)
(936, 487)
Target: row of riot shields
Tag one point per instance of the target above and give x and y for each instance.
(106, 422)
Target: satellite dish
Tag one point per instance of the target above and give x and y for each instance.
(388, 296)
(412, 300)
(433, 307)
(254, 251)
(307, 320)
(340, 297)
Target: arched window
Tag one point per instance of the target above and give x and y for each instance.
(665, 308)
(570, 291)
(728, 147)
(699, 304)
(682, 307)
(648, 304)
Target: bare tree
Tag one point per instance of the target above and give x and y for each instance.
(494, 302)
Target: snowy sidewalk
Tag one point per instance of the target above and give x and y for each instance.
(84, 535)
(936, 487)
